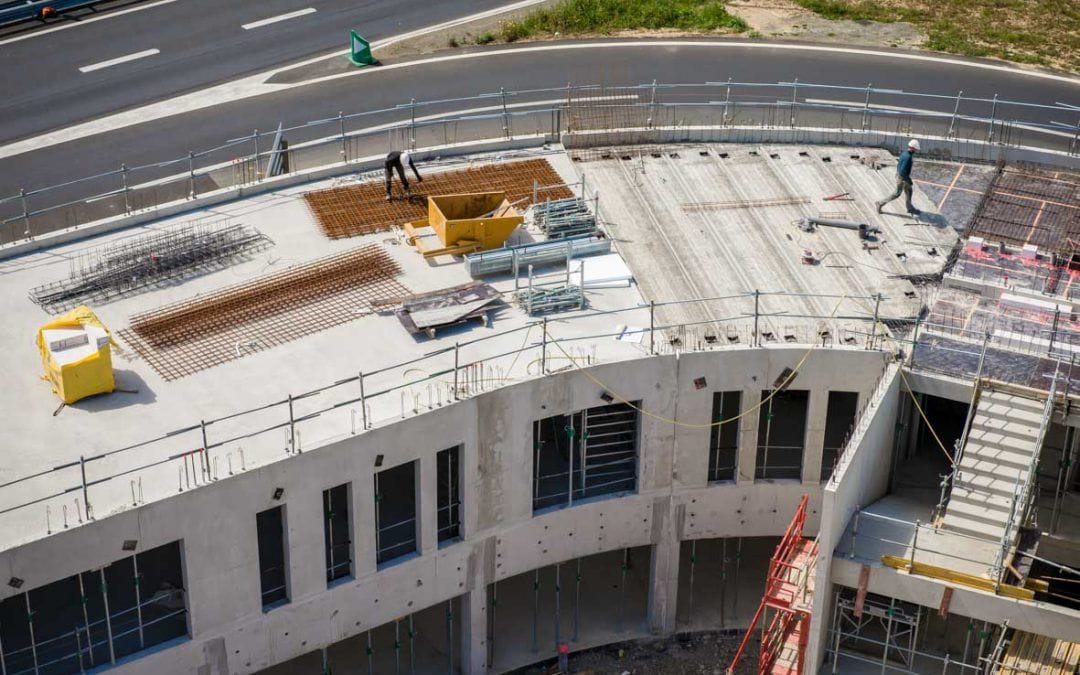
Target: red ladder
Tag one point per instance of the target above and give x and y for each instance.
(785, 608)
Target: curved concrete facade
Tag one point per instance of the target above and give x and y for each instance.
(230, 632)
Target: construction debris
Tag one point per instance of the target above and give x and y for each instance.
(428, 313)
(691, 207)
(506, 259)
(132, 265)
(865, 231)
(562, 218)
(201, 332)
(353, 210)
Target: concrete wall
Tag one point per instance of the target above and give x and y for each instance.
(231, 633)
(862, 479)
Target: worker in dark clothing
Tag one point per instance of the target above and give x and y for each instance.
(903, 178)
(398, 160)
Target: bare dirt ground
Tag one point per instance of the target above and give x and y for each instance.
(785, 20)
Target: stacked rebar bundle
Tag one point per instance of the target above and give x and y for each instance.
(134, 264)
(562, 218)
(501, 260)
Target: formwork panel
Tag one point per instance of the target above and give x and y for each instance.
(193, 335)
(360, 209)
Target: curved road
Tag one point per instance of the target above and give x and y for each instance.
(460, 74)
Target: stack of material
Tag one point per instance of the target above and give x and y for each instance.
(428, 312)
(544, 299)
(602, 271)
(564, 218)
(500, 260)
(76, 353)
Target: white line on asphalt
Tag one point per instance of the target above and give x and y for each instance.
(118, 60)
(83, 22)
(280, 17)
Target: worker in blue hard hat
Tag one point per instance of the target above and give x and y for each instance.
(903, 178)
(398, 160)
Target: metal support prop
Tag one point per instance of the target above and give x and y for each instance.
(370, 653)
(952, 130)
(536, 607)
(108, 617)
(30, 626)
(86, 623)
(693, 561)
(735, 586)
(412, 648)
(577, 599)
(622, 586)
(723, 578)
(450, 636)
(397, 646)
(138, 599)
(558, 606)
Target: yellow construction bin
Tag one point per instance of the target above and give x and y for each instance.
(465, 223)
(76, 352)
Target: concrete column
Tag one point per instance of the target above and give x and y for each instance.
(363, 522)
(474, 620)
(814, 441)
(748, 432)
(427, 492)
(664, 568)
(306, 546)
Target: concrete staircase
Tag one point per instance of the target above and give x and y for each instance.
(994, 464)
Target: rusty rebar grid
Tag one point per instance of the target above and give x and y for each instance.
(362, 209)
(192, 335)
(1031, 207)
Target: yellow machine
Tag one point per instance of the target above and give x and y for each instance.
(464, 224)
(76, 353)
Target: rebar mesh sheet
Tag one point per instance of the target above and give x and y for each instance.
(1029, 207)
(193, 335)
(362, 209)
(138, 263)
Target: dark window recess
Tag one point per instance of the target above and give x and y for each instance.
(270, 525)
(395, 512)
(781, 434)
(448, 470)
(839, 419)
(63, 627)
(336, 533)
(584, 455)
(724, 440)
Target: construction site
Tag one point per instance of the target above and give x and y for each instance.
(609, 394)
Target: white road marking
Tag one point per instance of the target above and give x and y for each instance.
(280, 17)
(256, 85)
(83, 22)
(118, 60)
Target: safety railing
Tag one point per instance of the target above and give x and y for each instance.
(748, 111)
(212, 449)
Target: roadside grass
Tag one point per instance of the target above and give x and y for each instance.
(603, 17)
(1042, 32)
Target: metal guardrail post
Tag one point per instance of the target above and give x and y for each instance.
(341, 128)
(292, 427)
(412, 124)
(506, 113)
(952, 122)
(363, 403)
(206, 451)
(993, 118)
(191, 175)
(255, 137)
(727, 100)
(866, 106)
(652, 327)
(794, 102)
(124, 185)
(877, 313)
(854, 532)
(25, 214)
(914, 546)
(85, 489)
(543, 348)
(757, 300)
(457, 348)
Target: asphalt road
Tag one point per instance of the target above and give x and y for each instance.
(200, 42)
(525, 67)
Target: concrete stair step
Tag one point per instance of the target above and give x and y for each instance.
(1024, 446)
(1005, 426)
(976, 528)
(984, 477)
(1009, 460)
(982, 507)
(998, 410)
(1012, 400)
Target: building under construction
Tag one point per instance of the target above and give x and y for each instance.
(702, 388)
